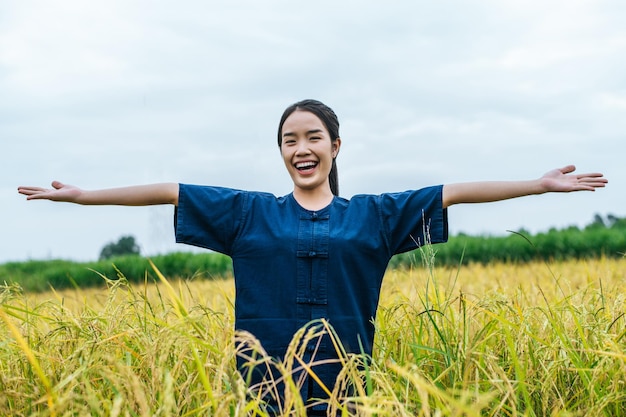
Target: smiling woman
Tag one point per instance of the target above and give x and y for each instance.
(309, 150)
(311, 255)
(303, 124)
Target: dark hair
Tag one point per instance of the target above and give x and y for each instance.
(330, 120)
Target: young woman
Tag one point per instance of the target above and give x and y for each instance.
(311, 254)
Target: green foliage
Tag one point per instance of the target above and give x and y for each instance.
(59, 274)
(603, 237)
(126, 245)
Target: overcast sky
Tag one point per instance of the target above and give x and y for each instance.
(111, 93)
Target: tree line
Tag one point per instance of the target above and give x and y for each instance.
(604, 236)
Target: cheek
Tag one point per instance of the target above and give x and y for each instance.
(286, 157)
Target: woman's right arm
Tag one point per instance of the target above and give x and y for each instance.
(138, 195)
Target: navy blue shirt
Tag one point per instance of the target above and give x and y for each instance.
(293, 265)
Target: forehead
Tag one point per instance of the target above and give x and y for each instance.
(303, 121)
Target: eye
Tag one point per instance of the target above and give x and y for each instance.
(289, 142)
(315, 138)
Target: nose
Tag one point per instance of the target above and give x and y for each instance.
(302, 148)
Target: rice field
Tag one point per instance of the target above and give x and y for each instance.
(539, 339)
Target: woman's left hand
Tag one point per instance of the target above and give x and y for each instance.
(563, 180)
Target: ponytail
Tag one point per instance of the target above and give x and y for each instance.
(333, 178)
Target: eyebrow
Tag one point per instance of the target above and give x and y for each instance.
(309, 132)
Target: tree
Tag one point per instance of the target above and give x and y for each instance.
(610, 221)
(126, 245)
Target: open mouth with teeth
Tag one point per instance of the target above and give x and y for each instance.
(305, 166)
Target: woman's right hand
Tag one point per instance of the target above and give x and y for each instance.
(136, 195)
(58, 192)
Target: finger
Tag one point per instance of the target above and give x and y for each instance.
(600, 182)
(591, 175)
(567, 169)
(57, 184)
(37, 196)
(596, 183)
(591, 185)
(29, 190)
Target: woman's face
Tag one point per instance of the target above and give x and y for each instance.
(308, 151)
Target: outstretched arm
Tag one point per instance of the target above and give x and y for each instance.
(139, 195)
(558, 180)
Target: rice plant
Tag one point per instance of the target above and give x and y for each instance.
(499, 340)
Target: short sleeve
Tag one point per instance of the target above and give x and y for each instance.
(414, 218)
(209, 217)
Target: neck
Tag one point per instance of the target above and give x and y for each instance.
(314, 199)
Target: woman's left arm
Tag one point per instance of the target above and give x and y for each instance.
(558, 180)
